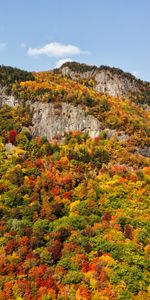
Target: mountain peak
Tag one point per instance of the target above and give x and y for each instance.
(111, 80)
(82, 67)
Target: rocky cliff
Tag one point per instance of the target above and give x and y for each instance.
(109, 80)
(53, 121)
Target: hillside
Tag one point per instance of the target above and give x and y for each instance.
(109, 80)
(74, 188)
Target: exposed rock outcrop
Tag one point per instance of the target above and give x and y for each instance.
(107, 80)
(52, 121)
(55, 122)
(144, 151)
(5, 99)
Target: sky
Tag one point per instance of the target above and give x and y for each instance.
(42, 34)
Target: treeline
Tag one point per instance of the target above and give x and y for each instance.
(10, 75)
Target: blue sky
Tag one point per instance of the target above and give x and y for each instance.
(40, 34)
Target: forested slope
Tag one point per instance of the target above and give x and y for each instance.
(74, 213)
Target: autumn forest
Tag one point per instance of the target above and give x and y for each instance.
(74, 213)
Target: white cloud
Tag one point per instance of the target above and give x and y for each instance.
(23, 45)
(60, 62)
(2, 46)
(136, 74)
(56, 50)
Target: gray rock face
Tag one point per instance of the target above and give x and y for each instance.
(144, 151)
(4, 99)
(105, 81)
(55, 122)
(52, 121)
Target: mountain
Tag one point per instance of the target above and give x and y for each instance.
(109, 80)
(59, 104)
(74, 184)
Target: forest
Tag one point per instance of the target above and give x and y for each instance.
(74, 215)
